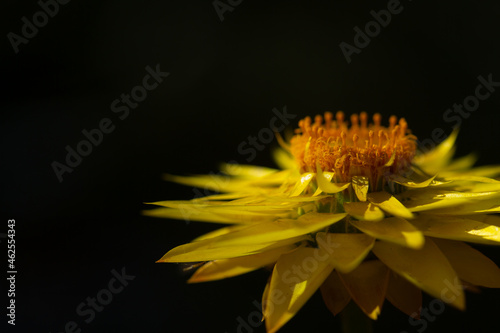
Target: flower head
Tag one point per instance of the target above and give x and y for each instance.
(357, 212)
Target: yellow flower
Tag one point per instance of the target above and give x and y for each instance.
(357, 212)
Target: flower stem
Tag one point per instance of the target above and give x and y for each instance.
(353, 320)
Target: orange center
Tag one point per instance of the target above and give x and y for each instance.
(362, 149)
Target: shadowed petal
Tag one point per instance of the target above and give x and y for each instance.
(334, 294)
(470, 264)
(367, 285)
(426, 268)
(346, 251)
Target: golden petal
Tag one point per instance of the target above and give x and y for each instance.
(324, 182)
(393, 229)
(458, 228)
(389, 204)
(296, 276)
(365, 211)
(225, 268)
(207, 250)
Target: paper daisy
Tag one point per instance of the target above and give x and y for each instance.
(356, 212)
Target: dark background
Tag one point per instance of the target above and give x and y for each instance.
(225, 79)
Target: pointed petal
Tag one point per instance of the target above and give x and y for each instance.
(225, 268)
(435, 160)
(364, 211)
(393, 229)
(462, 163)
(457, 228)
(278, 230)
(207, 250)
(218, 232)
(360, 185)
(302, 184)
(246, 171)
(426, 268)
(389, 204)
(404, 295)
(334, 294)
(296, 276)
(324, 184)
(283, 159)
(367, 285)
(470, 264)
(346, 251)
(410, 183)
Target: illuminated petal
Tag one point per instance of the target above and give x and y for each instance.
(426, 268)
(441, 201)
(470, 264)
(334, 294)
(389, 204)
(302, 184)
(207, 250)
(457, 228)
(224, 268)
(364, 211)
(404, 295)
(324, 184)
(435, 160)
(279, 229)
(360, 185)
(346, 251)
(296, 276)
(393, 229)
(367, 285)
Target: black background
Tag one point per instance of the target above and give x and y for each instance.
(225, 79)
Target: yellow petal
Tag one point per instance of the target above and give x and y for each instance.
(360, 185)
(389, 204)
(364, 211)
(296, 276)
(207, 250)
(441, 201)
(346, 251)
(334, 294)
(426, 268)
(218, 232)
(457, 228)
(470, 264)
(302, 184)
(410, 183)
(224, 268)
(188, 213)
(324, 184)
(393, 229)
(283, 159)
(483, 171)
(246, 171)
(404, 296)
(462, 163)
(367, 285)
(279, 229)
(435, 160)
